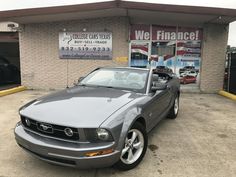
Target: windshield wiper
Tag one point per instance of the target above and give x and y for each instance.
(84, 85)
(108, 86)
(117, 88)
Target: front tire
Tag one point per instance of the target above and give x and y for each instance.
(134, 149)
(174, 109)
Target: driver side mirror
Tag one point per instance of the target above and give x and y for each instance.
(158, 86)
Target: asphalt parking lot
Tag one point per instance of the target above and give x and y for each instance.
(201, 142)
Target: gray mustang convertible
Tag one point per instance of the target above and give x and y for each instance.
(101, 121)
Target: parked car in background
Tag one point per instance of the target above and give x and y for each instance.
(163, 69)
(9, 73)
(189, 73)
(187, 79)
(188, 68)
(102, 121)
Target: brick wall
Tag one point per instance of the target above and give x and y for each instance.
(41, 67)
(213, 57)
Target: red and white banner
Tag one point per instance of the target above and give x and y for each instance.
(139, 49)
(192, 49)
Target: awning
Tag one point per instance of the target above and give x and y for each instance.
(138, 12)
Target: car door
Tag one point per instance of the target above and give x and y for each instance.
(158, 105)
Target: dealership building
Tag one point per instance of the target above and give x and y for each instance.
(57, 45)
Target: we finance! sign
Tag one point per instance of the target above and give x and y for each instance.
(165, 33)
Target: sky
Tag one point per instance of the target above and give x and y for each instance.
(16, 4)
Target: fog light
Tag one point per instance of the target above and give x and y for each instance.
(96, 153)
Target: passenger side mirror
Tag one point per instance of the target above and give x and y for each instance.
(158, 86)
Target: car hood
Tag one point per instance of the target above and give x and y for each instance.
(84, 107)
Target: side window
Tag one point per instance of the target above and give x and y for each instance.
(155, 79)
(160, 78)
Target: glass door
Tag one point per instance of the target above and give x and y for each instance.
(163, 55)
(139, 54)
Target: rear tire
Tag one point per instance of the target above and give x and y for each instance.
(135, 147)
(173, 113)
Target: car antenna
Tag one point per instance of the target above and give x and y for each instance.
(67, 73)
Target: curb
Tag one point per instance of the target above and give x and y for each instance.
(228, 95)
(12, 90)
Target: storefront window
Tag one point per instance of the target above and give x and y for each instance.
(163, 54)
(139, 54)
(176, 49)
(188, 61)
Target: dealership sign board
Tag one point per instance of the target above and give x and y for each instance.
(85, 45)
(165, 33)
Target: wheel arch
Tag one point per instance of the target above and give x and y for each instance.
(141, 120)
(128, 125)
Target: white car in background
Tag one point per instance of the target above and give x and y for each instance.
(189, 73)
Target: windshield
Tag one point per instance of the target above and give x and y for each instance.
(120, 78)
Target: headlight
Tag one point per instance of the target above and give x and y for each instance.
(98, 135)
(103, 134)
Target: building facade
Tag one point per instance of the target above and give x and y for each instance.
(135, 39)
(41, 67)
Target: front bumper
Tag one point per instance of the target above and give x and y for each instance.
(65, 153)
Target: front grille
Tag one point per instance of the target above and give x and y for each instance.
(51, 130)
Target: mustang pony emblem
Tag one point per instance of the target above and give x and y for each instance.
(45, 127)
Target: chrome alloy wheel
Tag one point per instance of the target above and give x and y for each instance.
(176, 105)
(134, 144)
